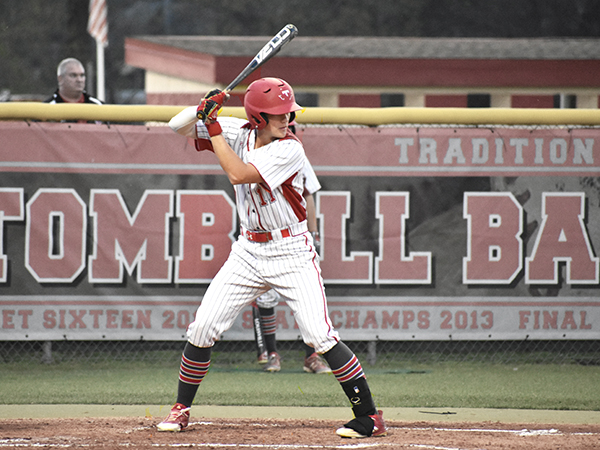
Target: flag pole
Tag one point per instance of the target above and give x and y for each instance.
(98, 29)
(100, 93)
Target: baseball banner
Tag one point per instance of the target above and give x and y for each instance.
(427, 233)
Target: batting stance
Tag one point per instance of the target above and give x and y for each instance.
(264, 161)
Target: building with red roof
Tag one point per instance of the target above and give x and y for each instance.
(379, 71)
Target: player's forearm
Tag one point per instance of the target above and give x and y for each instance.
(184, 123)
(237, 170)
(311, 216)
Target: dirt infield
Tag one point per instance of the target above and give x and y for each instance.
(141, 433)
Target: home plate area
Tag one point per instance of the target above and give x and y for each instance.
(141, 433)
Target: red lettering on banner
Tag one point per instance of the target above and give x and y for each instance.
(494, 244)
(562, 238)
(126, 319)
(247, 320)
(143, 319)
(77, 319)
(281, 320)
(333, 210)
(568, 321)
(181, 319)
(583, 325)
(370, 321)
(96, 313)
(11, 208)
(464, 320)
(333, 315)
(407, 318)
(550, 320)
(489, 320)
(121, 240)
(461, 320)
(25, 314)
(56, 238)
(207, 226)
(447, 320)
(392, 266)
(111, 318)
(49, 319)
(388, 319)
(7, 318)
(55, 244)
(169, 319)
(352, 319)
(61, 319)
(83, 319)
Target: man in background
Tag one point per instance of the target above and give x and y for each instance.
(71, 84)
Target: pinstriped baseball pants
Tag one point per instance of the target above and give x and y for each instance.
(290, 266)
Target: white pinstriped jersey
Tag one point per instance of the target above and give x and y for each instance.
(311, 182)
(278, 202)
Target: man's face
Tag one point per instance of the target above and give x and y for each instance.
(277, 125)
(73, 80)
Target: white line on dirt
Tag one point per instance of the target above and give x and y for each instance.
(523, 432)
(281, 446)
(436, 447)
(27, 443)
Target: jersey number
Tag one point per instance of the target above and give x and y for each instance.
(265, 194)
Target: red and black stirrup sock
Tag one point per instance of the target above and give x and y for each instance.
(195, 362)
(269, 328)
(348, 371)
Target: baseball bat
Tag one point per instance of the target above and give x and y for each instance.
(269, 50)
(258, 331)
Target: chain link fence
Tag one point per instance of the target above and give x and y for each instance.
(388, 354)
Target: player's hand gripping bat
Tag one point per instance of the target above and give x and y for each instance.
(270, 49)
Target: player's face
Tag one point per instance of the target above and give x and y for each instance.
(278, 124)
(73, 80)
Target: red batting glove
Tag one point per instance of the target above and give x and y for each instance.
(211, 104)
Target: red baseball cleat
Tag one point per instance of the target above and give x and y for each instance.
(177, 420)
(358, 428)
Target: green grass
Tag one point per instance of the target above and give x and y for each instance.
(448, 384)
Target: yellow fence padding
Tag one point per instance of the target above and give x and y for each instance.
(314, 115)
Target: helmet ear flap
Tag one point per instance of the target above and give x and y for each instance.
(264, 117)
(260, 121)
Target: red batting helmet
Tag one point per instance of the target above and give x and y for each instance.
(268, 96)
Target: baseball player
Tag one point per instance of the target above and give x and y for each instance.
(264, 161)
(265, 335)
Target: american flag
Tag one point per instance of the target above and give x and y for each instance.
(98, 21)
